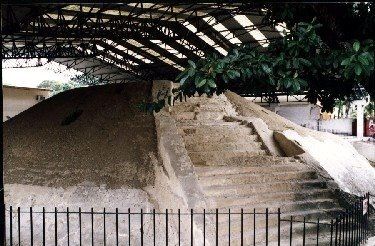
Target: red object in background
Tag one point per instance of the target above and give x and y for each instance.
(370, 127)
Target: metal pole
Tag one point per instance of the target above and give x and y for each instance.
(2, 203)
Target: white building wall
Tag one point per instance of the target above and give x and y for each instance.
(18, 99)
(338, 126)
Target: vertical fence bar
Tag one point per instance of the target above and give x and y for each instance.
(346, 226)
(204, 227)
(336, 230)
(241, 226)
(166, 227)
(55, 226)
(141, 227)
(92, 226)
(317, 233)
(67, 225)
(217, 228)
(331, 234)
(153, 226)
(291, 231)
(44, 227)
(116, 226)
(340, 228)
(31, 227)
(278, 227)
(191, 228)
(11, 225)
(179, 227)
(129, 228)
(350, 233)
(304, 232)
(368, 213)
(356, 222)
(254, 227)
(19, 225)
(80, 225)
(229, 227)
(266, 226)
(104, 228)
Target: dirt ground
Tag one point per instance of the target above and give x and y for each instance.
(88, 135)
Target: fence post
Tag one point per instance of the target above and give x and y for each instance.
(241, 226)
(104, 229)
(44, 227)
(179, 227)
(228, 227)
(67, 225)
(154, 230)
(278, 227)
(331, 235)
(291, 230)
(266, 226)
(191, 227)
(117, 226)
(129, 228)
(217, 227)
(31, 227)
(11, 225)
(92, 226)
(317, 233)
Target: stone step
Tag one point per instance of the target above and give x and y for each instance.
(217, 138)
(224, 146)
(195, 123)
(255, 178)
(310, 215)
(256, 169)
(246, 201)
(261, 235)
(286, 208)
(245, 160)
(250, 189)
(206, 127)
(202, 156)
(213, 130)
(209, 115)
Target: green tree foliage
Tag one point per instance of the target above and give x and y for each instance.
(56, 86)
(299, 61)
(85, 80)
(327, 61)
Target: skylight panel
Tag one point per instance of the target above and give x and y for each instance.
(257, 35)
(281, 28)
(222, 30)
(75, 7)
(168, 48)
(205, 38)
(126, 50)
(154, 53)
(167, 31)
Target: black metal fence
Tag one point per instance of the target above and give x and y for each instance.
(173, 227)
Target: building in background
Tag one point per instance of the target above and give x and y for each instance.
(18, 99)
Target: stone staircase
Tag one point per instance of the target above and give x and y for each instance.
(235, 171)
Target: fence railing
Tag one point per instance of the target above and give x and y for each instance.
(39, 226)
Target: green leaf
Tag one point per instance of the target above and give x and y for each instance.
(200, 83)
(211, 83)
(356, 46)
(192, 64)
(191, 72)
(266, 68)
(183, 79)
(358, 70)
(345, 62)
(362, 59)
